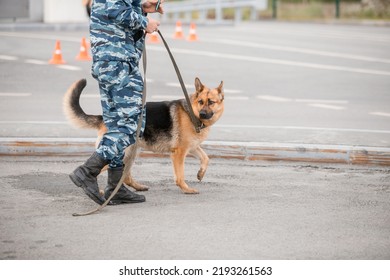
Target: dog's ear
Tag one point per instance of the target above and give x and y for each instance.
(198, 85)
(220, 91)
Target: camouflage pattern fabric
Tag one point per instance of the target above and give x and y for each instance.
(117, 41)
(115, 26)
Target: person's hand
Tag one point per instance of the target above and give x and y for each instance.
(150, 6)
(152, 25)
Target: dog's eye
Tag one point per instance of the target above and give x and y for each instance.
(211, 102)
(200, 102)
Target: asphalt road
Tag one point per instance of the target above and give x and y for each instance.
(284, 82)
(245, 211)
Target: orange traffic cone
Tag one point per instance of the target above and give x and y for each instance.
(83, 55)
(192, 36)
(178, 31)
(153, 38)
(57, 55)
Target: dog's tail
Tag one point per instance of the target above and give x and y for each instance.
(73, 111)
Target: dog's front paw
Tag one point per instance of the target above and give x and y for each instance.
(135, 185)
(142, 189)
(190, 191)
(201, 173)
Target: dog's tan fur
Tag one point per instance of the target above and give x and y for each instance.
(207, 105)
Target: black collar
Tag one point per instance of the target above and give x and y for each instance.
(198, 124)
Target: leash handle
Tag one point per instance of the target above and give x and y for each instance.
(196, 122)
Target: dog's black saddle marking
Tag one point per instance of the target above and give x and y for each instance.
(159, 122)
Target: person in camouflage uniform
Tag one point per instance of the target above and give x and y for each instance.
(117, 30)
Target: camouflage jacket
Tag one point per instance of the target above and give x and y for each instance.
(115, 29)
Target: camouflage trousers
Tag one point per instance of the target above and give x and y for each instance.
(121, 86)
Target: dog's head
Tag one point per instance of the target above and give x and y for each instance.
(207, 103)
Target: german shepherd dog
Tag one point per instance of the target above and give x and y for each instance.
(168, 127)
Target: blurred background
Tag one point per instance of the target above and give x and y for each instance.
(58, 10)
(295, 71)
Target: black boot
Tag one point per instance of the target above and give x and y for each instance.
(85, 175)
(124, 195)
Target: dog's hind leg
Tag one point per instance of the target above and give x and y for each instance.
(199, 153)
(129, 180)
(178, 156)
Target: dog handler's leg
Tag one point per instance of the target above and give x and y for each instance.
(178, 156)
(85, 177)
(124, 195)
(121, 89)
(204, 161)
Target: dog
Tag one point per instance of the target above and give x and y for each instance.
(168, 128)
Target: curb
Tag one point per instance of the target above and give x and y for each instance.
(251, 151)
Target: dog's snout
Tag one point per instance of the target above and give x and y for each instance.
(203, 114)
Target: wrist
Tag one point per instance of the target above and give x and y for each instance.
(144, 6)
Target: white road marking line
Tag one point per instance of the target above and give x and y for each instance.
(69, 67)
(35, 61)
(273, 98)
(275, 61)
(314, 102)
(322, 101)
(303, 128)
(382, 114)
(238, 98)
(300, 50)
(232, 91)
(343, 34)
(9, 94)
(40, 62)
(178, 85)
(8, 57)
(327, 106)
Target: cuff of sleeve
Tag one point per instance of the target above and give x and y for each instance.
(144, 22)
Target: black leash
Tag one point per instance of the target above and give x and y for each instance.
(195, 121)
